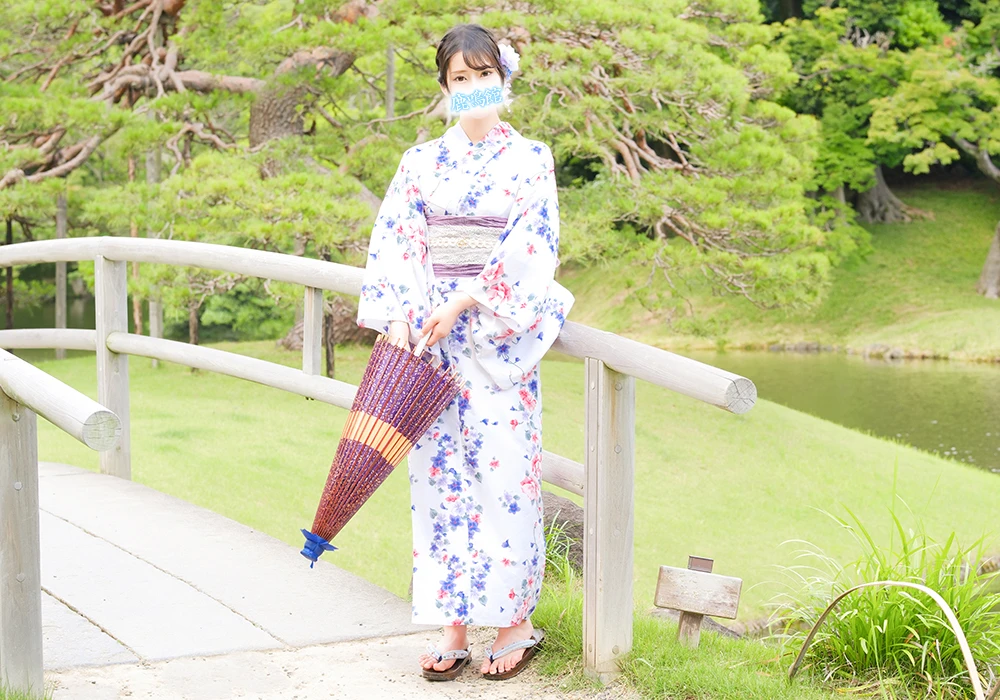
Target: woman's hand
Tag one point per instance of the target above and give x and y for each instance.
(442, 319)
(400, 330)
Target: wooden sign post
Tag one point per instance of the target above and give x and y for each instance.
(696, 592)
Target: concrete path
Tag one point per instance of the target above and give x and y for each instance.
(132, 575)
(148, 596)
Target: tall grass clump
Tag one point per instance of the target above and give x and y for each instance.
(8, 693)
(894, 640)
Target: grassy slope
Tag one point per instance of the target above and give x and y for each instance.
(916, 291)
(708, 483)
(661, 667)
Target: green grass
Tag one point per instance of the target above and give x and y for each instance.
(658, 666)
(709, 483)
(916, 291)
(6, 693)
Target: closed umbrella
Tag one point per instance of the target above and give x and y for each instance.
(400, 396)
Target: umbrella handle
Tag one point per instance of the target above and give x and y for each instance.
(421, 344)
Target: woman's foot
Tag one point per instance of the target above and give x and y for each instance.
(505, 636)
(454, 638)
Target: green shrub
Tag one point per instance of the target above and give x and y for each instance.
(896, 639)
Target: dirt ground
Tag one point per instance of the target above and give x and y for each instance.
(365, 670)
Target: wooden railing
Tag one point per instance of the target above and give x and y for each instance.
(26, 391)
(612, 363)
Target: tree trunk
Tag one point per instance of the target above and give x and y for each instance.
(790, 8)
(989, 281)
(274, 115)
(134, 233)
(299, 249)
(61, 226)
(10, 278)
(880, 206)
(193, 323)
(329, 327)
(329, 341)
(153, 163)
(275, 112)
(390, 82)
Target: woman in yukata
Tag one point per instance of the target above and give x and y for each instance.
(464, 249)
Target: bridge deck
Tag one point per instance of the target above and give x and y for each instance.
(148, 597)
(132, 575)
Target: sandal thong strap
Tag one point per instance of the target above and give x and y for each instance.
(513, 646)
(453, 654)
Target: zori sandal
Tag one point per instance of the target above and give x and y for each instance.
(449, 673)
(531, 645)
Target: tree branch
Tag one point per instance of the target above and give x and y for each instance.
(297, 22)
(132, 8)
(193, 130)
(201, 81)
(76, 155)
(982, 156)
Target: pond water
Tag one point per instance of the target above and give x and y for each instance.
(949, 408)
(80, 313)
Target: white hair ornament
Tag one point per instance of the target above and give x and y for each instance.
(510, 59)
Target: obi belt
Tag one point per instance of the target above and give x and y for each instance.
(460, 246)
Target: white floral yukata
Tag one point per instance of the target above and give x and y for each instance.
(483, 219)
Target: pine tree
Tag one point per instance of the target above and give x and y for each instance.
(271, 120)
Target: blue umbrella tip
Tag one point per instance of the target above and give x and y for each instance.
(314, 547)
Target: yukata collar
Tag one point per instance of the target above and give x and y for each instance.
(498, 135)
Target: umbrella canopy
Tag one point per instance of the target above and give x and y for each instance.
(400, 396)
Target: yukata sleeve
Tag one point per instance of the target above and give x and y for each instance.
(394, 284)
(520, 307)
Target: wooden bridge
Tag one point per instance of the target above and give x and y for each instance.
(605, 479)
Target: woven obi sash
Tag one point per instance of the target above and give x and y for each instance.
(460, 246)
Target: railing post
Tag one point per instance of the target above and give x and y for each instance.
(20, 565)
(312, 332)
(609, 499)
(111, 287)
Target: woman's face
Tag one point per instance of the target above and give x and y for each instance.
(472, 92)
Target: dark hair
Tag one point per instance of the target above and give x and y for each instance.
(477, 45)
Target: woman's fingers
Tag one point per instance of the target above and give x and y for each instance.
(435, 328)
(435, 325)
(441, 330)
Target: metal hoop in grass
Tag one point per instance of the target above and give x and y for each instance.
(970, 663)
